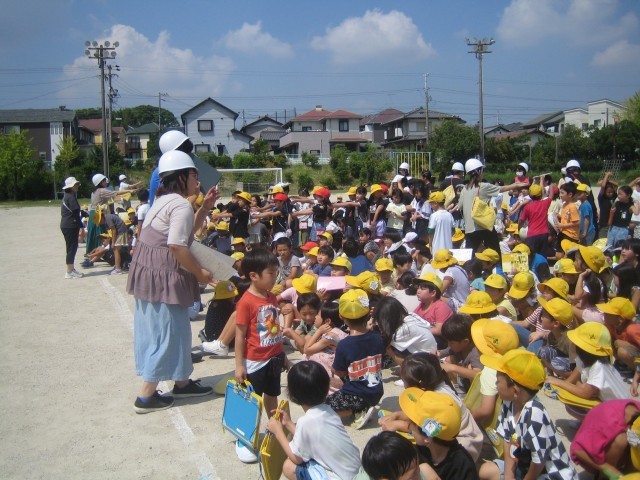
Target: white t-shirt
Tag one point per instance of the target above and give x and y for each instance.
(172, 215)
(414, 336)
(123, 186)
(410, 302)
(393, 221)
(142, 211)
(441, 222)
(488, 378)
(603, 376)
(321, 435)
(460, 288)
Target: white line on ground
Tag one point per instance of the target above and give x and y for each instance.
(201, 460)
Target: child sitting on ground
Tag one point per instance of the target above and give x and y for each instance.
(340, 267)
(557, 316)
(533, 448)
(323, 266)
(462, 358)
(384, 269)
(432, 309)
(308, 307)
(319, 438)
(289, 265)
(220, 308)
(289, 298)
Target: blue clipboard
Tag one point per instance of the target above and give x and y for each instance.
(242, 413)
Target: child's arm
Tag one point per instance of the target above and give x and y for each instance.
(465, 372)
(316, 342)
(241, 369)
(395, 422)
(535, 469)
(587, 461)
(509, 462)
(375, 215)
(634, 384)
(298, 340)
(575, 386)
(277, 428)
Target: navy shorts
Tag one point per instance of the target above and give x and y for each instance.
(267, 379)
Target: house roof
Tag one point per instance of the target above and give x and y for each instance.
(495, 127)
(343, 114)
(315, 114)
(606, 100)
(241, 134)
(553, 117)
(520, 133)
(209, 99)
(381, 117)
(143, 129)
(349, 140)
(420, 113)
(37, 115)
(265, 118)
(271, 135)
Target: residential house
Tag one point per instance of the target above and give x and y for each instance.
(495, 130)
(211, 127)
(137, 139)
(94, 125)
(599, 113)
(371, 126)
(47, 128)
(408, 130)
(547, 122)
(267, 129)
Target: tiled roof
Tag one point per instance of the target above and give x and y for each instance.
(381, 117)
(37, 115)
(271, 135)
(544, 118)
(143, 129)
(519, 133)
(262, 119)
(231, 113)
(312, 115)
(343, 114)
(419, 113)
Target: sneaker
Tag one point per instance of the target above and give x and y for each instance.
(87, 264)
(191, 389)
(245, 454)
(362, 418)
(203, 336)
(73, 274)
(215, 348)
(157, 402)
(399, 383)
(116, 271)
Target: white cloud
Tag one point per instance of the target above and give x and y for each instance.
(526, 23)
(148, 67)
(251, 39)
(620, 54)
(375, 36)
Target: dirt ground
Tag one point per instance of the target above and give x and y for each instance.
(69, 380)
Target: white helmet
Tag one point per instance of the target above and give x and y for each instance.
(524, 165)
(122, 177)
(171, 140)
(403, 166)
(457, 167)
(174, 160)
(572, 164)
(472, 164)
(97, 179)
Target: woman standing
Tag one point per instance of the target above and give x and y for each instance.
(474, 234)
(163, 277)
(71, 223)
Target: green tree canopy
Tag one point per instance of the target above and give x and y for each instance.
(69, 155)
(17, 163)
(132, 116)
(633, 109)
(453, 141)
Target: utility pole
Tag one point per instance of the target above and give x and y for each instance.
(113, 93)
(426, 113)
(479, 48)
(102, 52)
(160, 95)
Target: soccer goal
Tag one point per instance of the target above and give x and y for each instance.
(250, 180)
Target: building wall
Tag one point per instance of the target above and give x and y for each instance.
(333, 124)
(220, 135)
(603, 113)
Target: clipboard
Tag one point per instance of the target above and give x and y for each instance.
(272, 456)
(208, 175)
(242, 413)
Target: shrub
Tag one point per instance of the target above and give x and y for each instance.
(309, 160)
(288, 177)
(341, 171)
(328, 181)
(305, 181)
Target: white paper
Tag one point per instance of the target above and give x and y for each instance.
(462, 254)
(220, 265)
(331, 283)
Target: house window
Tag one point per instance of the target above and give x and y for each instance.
(306, 129)
(343, 126)
(315, 152)
(9, 129)
(203, 147)
(597, 123)
(220, 149)
(585, 126)
(205, 125)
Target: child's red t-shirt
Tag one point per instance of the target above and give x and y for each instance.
(264, 332)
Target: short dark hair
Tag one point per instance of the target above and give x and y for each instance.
(310, 299)
(351, 247)
(569, 187)
(365, 231)
(283, 241)
(331, 311)
(457, 328)
(143, 195)
(626, 189)
(327, 250)
(258, 260)
(392, 235)
(388, 455)
(401, 257)
(308, 383)
(423, 370)
(511, 383)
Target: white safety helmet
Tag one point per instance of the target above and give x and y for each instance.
(171, 140)
(174, 160)
(403, 166)
(122, 177)
(572, 164)
(472, 164)
(97, 179)
(457, 167)
(397, 178)
(525, 166)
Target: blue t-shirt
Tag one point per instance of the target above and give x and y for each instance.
(587, 211)
(478, 284)
(361, 357)
(154, 183)
(321, 271)
(360, 264)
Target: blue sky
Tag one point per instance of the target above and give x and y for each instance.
(266, 57)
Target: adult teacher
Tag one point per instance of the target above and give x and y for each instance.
(474, 233)
(70, 224)
(163, 278)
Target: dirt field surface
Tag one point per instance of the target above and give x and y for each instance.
(69, 381)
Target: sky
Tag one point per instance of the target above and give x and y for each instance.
(284, 57)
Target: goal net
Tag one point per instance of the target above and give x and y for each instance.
(250, 180)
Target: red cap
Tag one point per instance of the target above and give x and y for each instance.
(384, 187)
(280, 196)
(308, 246)
(323, 192)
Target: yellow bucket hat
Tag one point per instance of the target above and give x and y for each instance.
(225, 289)
(443, 259)
(352, 191)
(495, 280)
(458, 235)
(245, 196)
(535, 190)
(512, 228)
(305, 283)
(558, 285)
(494, 337)
(522, 283)
(328, 236)
(436, 414)
(436, 197)
(383, 264)
(488, 255)
(559, 309)
(568, 246)
(313, 251)
(223, 226)
(237, 255)
(478, 302)
(522, 248)
(367, 281)
(592, 337)
(521, 366)
(618, 306)
(238, 241)
(429, 278)
(353, 304)
(375, 188)
(594, 258)
(564, 265)
(342, 262)
(276, 189)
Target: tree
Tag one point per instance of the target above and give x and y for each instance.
(143, 114)
(453, 141)
(310, 160)
(17, 162)
(339, 152)
(370, 166)
(633, 109)
(88, 113)
(500, 155)
(69, 155)
(153, 147)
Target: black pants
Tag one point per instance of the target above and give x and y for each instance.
(71, 240)
(488, 237)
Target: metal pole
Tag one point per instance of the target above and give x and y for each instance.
(480, 47)
(481, 113)
(426, 114)
(105, 135)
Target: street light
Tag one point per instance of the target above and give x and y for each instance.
(480, 47)
(102, 52)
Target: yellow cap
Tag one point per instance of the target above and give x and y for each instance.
(600, 243)
(535, 190)
(594, 258)
(488, 255)
(276, 189)
(496, 280)
(436, 414)
(494, 337)
(592, 337)
(352, 191)
(375, 188)
(223, 226)
(199, 199)
(522, 248)
(429, 278)
(559, 309)
(522, 283)
(436, 197)
(368, 281)
(521, 366)
(328, 236)
(105, 235)
(512, 228)
(558, 285)
(568, 246)
(478, 302)
(130, 210)
(305, 283)
(564, 265)
(443, 259)
(383, 264)
(237, 241)
(353, 304)
(245, 196)
(583, 187)
(313, 251)
(342, 262)
(458, 235)
(237, 255)
(224, 289)
(618, 306)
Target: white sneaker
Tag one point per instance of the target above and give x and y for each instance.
(399, 383)
(245, 454)
(362, 418)
(116, 271)
(73, 274)
(215, 348)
